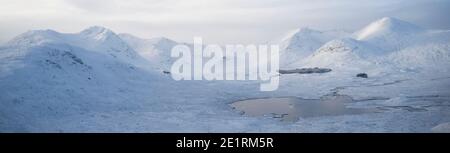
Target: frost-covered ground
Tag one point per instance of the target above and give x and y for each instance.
(97, 81)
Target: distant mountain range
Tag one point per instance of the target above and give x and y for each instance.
(385, 43)
(46, 75)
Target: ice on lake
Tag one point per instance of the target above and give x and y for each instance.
(291, 108)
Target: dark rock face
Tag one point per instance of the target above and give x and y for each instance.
(166, 72)
(305, 70)
(362, 75)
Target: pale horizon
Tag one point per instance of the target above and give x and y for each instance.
(219, 22)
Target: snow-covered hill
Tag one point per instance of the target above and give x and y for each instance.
(155, 50)
(386, 44)
(304, 41)
(47, 76)
(393, 34)
(345, 53)
(96, 39)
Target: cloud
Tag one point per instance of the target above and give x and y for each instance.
(221, 21)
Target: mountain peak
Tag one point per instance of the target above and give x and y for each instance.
(305, 30)
(97, 32)
(35, 37)
(387, 26)
(390, 22)
(96, 29)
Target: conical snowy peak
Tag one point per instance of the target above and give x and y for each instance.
(309, 39)
(301, 32)
(391, 34)
(387, 26)
(97, 33)
(305, 30)
(95, 29)
(304, 41)
(101, 38)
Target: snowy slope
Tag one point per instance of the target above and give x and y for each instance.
(304, 41)
(343, 53)
(432, 57)
(387, 26)
(390, 33)
(155, 50)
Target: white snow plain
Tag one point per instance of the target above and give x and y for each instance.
(99, 81)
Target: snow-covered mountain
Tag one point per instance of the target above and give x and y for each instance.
(155, 50)
(346, 53)
(98, 39)
(304, 41)
(46, 75)
(387, 26)
(381, 44)
(389, 33)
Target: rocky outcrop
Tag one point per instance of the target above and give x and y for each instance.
(305, 70)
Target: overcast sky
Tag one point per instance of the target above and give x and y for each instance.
(217, 21)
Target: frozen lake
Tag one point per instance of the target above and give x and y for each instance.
(291, 108)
